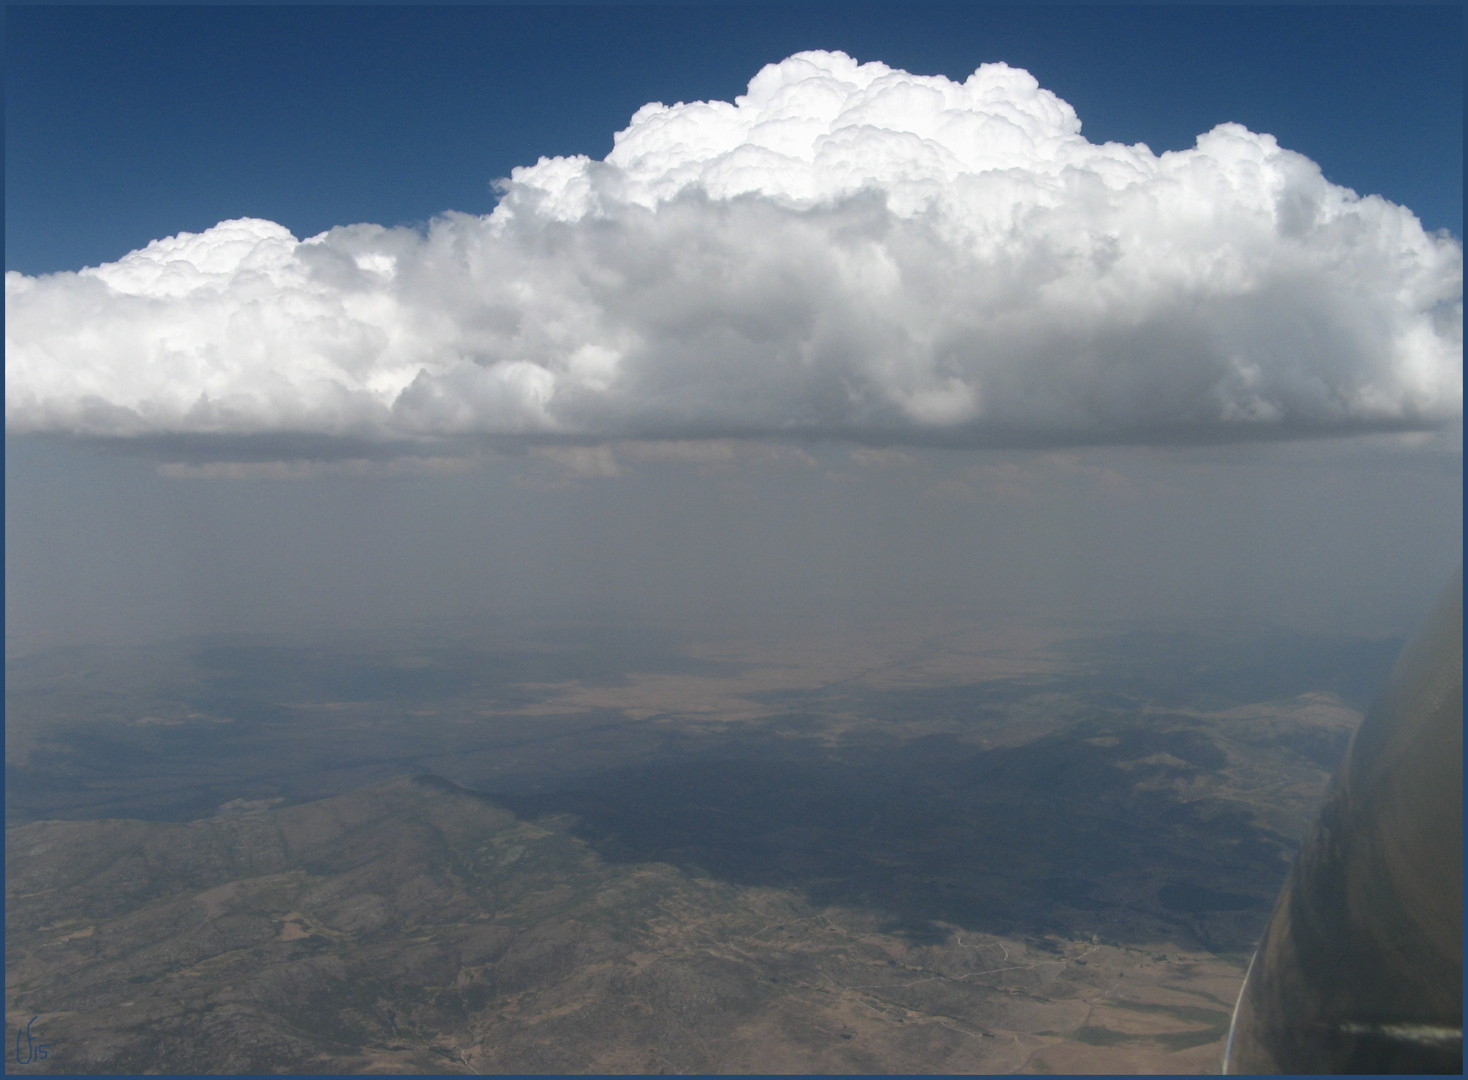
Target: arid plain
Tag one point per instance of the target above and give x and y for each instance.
(932, 846)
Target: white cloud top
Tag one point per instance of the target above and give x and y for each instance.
(847, 250)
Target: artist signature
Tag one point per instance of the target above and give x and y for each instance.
(33, 1050)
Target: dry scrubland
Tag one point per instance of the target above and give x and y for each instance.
(902, 849)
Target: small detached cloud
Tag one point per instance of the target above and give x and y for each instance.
(316, 469)
(846, 251)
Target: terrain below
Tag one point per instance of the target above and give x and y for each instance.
(907, 851)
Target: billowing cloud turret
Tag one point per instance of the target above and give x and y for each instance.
(846, 251)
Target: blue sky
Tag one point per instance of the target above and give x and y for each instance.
(128, 124)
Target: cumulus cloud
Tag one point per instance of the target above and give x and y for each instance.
(845, 251)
